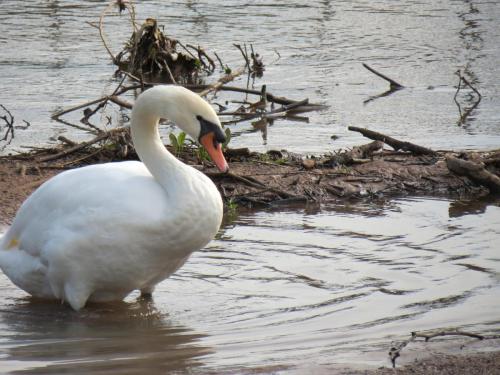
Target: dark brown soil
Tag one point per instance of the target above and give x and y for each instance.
(477, 364)
(275, 178)
(16, 183)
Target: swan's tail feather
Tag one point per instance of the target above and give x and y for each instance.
(76, 295)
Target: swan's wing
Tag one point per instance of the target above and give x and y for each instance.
(94, 199)
(102, 228)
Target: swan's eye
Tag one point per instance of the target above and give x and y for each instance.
(207, 127)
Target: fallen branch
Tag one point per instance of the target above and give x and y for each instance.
(56, 115)
(80, 146)
(121, 102)
(111, 4)
(395, 350)
(394, 143)
(270, 97)
(245, 55)
(475, 172)
(222, 81)
(275, 113)
(393, 84)
(247, 180)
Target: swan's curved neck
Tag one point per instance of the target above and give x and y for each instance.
(148, 145)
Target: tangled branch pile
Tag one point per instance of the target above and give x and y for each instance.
(150, 54)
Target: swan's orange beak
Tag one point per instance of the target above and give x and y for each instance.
(214, 149)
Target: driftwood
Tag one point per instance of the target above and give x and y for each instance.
(393, 142)
(475, 172)
(395, 351)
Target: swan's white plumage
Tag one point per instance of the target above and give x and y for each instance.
(99, 232)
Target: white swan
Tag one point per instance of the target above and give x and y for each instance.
(99, 232)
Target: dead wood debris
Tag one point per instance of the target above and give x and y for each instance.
(475, 171)
(150, 54)
(279, 177)
(394, 143)
(396, 349)
(358, 154)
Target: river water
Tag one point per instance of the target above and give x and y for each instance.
(301, 287)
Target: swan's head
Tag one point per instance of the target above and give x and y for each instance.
(190, 113)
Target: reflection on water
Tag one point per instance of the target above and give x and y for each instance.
(44, 337)
(321, 285)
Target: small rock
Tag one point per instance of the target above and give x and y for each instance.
(308, 163)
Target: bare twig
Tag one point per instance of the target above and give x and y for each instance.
(82, 145)
(121, 91)
(220, 61)
(121, 102)
(101, 30)
(275, 113)
(88, 113)
(245, 56)
(270, 97)
(393, 84)
(201, 53)
(252, 182)
(222, 81)
(170, 75)
(186, 49)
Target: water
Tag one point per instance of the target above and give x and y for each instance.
(289, 288)
(293, 288)
(52, 59)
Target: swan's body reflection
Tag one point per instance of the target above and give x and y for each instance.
(122, 337)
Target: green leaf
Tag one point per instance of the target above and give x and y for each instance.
(181, 138)
(228, 138)
(173, 141)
